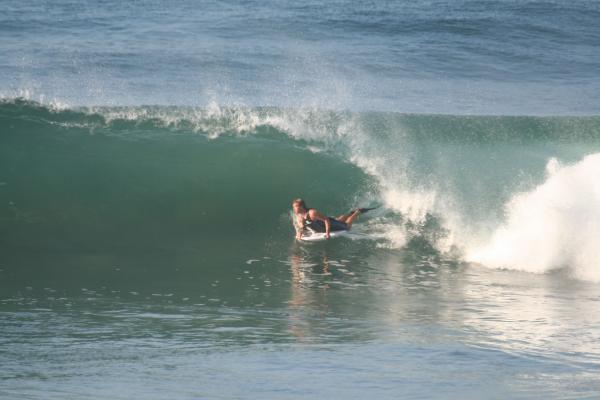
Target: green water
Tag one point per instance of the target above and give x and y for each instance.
(150, 252)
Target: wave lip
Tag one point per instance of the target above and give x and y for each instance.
(556, 225)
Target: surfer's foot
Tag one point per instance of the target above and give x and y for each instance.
(354, 211)
(362, 210)
(353, 214)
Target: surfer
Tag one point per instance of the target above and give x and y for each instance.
(313, 219)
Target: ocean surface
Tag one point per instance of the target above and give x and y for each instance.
(149, 153)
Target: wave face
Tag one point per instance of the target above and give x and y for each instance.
(506, 192)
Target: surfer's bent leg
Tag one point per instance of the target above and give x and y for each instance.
(343, 217)
(351, 218)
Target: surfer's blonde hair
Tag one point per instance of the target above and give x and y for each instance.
(300, 202)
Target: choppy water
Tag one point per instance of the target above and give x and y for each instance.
(457, 57)
(149, 154)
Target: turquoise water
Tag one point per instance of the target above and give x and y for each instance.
(150, 251)
(149, 154)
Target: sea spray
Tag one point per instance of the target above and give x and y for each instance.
(557, 224)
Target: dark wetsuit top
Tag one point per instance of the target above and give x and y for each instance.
(319, 226)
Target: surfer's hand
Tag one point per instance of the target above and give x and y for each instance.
(327, 235)
(298, 236)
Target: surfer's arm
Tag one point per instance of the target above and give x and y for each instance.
(299, 227)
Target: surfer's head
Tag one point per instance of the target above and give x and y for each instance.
(299, 206)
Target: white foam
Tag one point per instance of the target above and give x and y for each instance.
(53, 104)
(555, 225)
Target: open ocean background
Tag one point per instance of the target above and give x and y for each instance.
(149, 153)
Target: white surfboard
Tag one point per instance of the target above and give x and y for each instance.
(320, 236)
